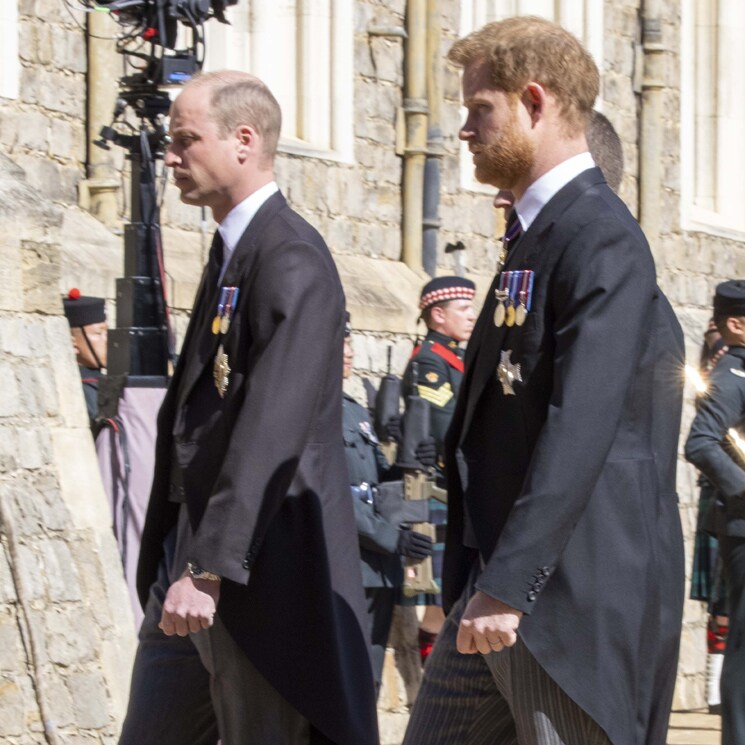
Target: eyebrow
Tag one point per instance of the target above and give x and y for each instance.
(182, 131)
(475, 99)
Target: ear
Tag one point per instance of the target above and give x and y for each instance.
(437, 314)
(75, 344)
(735, 325)
(534, 99)
(248, 139)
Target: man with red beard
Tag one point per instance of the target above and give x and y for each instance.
(562, 508)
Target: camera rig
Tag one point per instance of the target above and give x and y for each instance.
(142, 343)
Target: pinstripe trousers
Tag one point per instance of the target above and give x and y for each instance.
(504, 698)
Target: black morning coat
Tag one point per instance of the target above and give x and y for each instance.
(264, 474)
(570, 483)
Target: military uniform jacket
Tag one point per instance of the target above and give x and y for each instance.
(381, 565)
(439, 373)
(566, 485)
(264, 477)
(713, 449)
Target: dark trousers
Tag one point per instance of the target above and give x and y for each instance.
(186, 690)
(733, 672)
(505, 697)
(380, 604)
(169, 698)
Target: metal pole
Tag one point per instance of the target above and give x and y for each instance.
(435, 144)
(415, 152)
(103, 180)
(652, 115)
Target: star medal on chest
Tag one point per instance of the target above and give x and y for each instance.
(221, 371)
(508, 373)
(225, 309)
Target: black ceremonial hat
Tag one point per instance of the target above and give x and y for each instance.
(347, 324)
(729, 298)
(81, 310)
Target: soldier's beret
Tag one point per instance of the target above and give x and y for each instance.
(81, 310)
(442, 289)
(729, 298)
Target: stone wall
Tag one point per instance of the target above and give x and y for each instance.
(66, 630)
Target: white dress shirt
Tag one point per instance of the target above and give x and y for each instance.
(239, 218)
(540, 192)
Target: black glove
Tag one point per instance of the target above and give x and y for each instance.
(414, 545)
(426, 452)
(393, 429)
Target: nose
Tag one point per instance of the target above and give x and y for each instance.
(170, 158)
(467, 130)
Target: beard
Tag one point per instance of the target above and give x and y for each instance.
(504, 163)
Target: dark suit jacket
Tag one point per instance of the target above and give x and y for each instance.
(562, 482)
(263, 474)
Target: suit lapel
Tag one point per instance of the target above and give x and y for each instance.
(240, 265)
(484, 359)
(194, 344)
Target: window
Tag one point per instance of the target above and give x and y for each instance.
(713, 117)
(584, 18)
(10, 64)
(303, 50)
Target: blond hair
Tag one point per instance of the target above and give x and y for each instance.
(239, 98)
(527, 49)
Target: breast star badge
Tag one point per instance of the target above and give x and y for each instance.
(508, 373)
(221, 371)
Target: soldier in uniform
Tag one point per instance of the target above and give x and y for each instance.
(446, 306)
(715, 448)
(89, 332)
(379, 515)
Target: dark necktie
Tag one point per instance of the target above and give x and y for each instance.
(215, 260)
(513, 230)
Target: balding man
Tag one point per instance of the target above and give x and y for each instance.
(249, 546)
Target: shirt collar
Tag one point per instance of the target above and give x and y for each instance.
(239, 218)
(540, 192)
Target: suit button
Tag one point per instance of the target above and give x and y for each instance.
(532, 595)
(246, 564)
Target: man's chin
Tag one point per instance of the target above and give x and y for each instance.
(188, 197)
(490, 178)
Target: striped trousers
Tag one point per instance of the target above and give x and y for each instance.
(504, 698)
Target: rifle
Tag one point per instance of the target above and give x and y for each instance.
(419, 485)
(386, 409)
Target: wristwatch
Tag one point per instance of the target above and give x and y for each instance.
(196, 572)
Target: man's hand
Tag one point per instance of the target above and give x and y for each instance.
(488, 625)
(189, 606)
